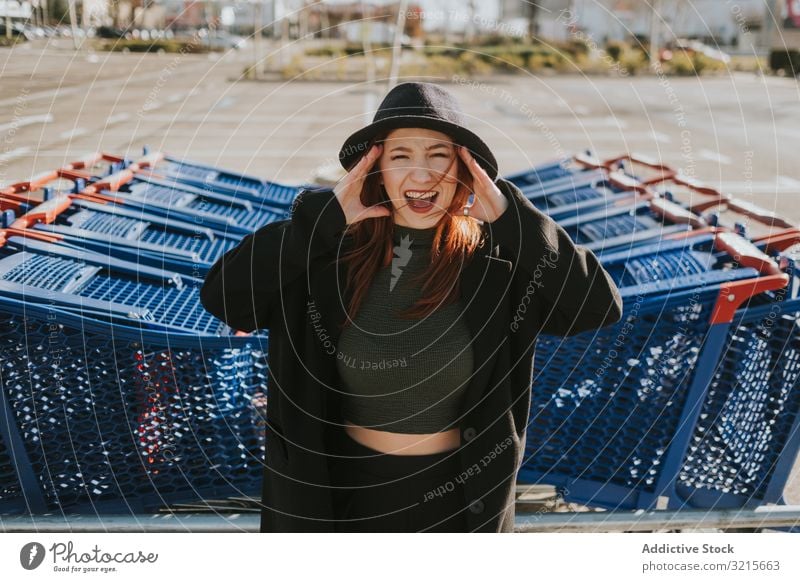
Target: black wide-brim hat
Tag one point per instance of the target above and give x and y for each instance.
(416, 104)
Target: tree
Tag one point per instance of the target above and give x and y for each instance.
(531, 12)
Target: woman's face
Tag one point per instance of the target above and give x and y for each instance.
(413, 160)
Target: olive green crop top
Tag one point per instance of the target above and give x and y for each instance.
(404, 375)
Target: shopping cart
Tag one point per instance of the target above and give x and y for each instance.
(223, 213)
(613, 409)
(742, 438)
(653, 212)
(636, 223)
(582, 191)
(561, 173)
(589, 191)
(551, 172)
(80, 221)
(160, 166)
(120, 393)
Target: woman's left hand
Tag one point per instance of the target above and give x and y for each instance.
(489, 202)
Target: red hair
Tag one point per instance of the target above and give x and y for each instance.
(455, 241)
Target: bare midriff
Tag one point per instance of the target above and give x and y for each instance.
(404, 444)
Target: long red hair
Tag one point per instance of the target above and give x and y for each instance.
(455, 241)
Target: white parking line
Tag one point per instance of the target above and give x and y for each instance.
(75, 132)
(151, 105)
(224, 103)
(609, 121)
(14, 154)
(661, 137)
(715, 156)
(118, 118)
(27, 120)
(789, 182)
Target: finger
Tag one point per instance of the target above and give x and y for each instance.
(478, 171)
(472, 164)
(356, 173)
(366, 161)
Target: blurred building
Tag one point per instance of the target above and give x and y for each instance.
(187, 14)
(15, 9)
(95, 13)
(730, 24)
(354, 19)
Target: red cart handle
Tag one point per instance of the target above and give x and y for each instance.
(91, 159)
(5, 233)
(16, 192)
(780, 240)
(112, 182)
(758, 214)
(733, 294)
(45, 212)
(676, 213)
(697, 186)
(745, 253)
(588, 161)
(34, 183)
(147, 162)
(10, 203)
(625, 182)
(645, 161)
(715, 197)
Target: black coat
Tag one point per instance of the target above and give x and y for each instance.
(529, 278)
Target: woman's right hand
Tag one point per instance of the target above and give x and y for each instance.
(348, 190)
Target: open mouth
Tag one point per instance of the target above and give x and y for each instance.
(419, 200)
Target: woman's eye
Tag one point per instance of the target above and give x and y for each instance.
(434, 155)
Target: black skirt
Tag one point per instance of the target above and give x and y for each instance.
(381, 492)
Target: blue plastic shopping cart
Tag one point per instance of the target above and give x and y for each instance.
(120, 393)
(223, 213)
(616, 417)
(115, 230)
(159, 166)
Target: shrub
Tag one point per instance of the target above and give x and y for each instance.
(155, 46)
(471, 64)
(352, 49)
(786, 61)
(17, 39)
(294, 69)
(634, 60)
(705, 63)
(508, 62)
(578, 48)
(615, 49)
(323, 51)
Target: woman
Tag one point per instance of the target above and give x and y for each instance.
(402, 323)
